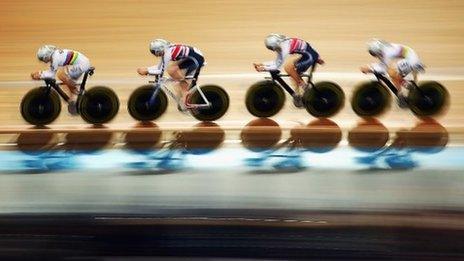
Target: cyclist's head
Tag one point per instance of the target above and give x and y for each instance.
(158, 46)
(272, 41)
(45, 53)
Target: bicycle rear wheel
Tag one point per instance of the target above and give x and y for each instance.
(218, 98)
(428, 99)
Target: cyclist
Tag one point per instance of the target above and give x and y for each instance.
(182, 62)
(67, 65)
(284, 47)
(397, 61)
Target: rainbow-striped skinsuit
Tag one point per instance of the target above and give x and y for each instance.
(76, 63)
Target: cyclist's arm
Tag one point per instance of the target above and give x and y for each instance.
(159, 69)
(50, 73)
(275, 65)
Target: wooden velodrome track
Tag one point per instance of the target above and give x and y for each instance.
(115, 35)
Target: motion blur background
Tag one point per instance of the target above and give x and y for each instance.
(115, 36)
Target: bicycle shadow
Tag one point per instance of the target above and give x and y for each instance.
(263, 137)
(166, 157)
(91, 140)
(319, 136)
(31, 152)
(45, 150)
(427, 137)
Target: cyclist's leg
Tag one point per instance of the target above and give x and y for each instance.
(194, 71)
(175, 72)
(302, 65)
(188, 67)
(291, 69)
(397, 71)
(178, 75)
(69, 76)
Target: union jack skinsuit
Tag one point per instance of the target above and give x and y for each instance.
(294, 46)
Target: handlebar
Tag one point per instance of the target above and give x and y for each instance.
(287, 75)
(49, 81)
(277, 73)
(158, 78)
(377, 73)
(52, 81)
(91, 71)
(380, 76)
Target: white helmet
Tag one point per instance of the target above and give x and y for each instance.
(273, 41)
(157, 46)
(45, 52)
(376, 46)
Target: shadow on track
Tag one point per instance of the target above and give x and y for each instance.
(34, 149)
(262, 136)
(88, 140)
(170, 156)
(427, 137)
(42, 151)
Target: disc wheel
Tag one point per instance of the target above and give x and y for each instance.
(370, 99)
(40, 106)
(325, 99)
(218, 98)
(142, 109)
(264, 99)
(428, 99)
(98, 105)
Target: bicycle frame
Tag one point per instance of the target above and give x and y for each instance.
(277, 77)
(161, 82)
(51, 83)
(386, 82)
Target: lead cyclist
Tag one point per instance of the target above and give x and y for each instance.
(67, 65)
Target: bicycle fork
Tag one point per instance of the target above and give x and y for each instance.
(151, 102)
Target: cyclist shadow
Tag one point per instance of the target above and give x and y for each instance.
(32, 151)
(91, 141)
(263, 137)
(371, 137)
(42, 151)
(170, 156)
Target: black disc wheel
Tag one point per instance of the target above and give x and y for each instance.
(325, 99)
(40, 106)
(218, 98)
(98, 105)
(428, 99)
(144, 106)
(264, 99)
(370, 99)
